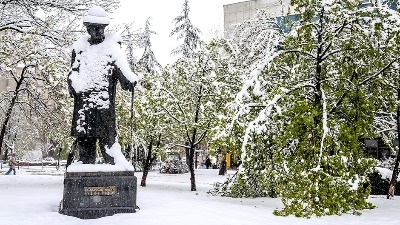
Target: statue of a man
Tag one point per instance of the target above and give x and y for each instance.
(97, 64)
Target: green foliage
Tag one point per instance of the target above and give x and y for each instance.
(194, 91)
(247, 183)
(304, 114)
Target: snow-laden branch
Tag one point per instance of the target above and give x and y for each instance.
(325, 129)
(337, 32)
(160, 87)
(263, 116)
(170, 114)
(379, 72)
(254, 81)
(203, 135)
(181, 145)
(301, 52)
(330, 54)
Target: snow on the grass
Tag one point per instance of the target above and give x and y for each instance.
(34, 199)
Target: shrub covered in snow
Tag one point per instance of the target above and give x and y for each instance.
(174, 167)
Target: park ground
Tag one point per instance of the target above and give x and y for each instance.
(33, 196)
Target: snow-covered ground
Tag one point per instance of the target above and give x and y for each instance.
(33, 196)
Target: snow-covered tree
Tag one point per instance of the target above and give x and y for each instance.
(26, 61)
(131, 40)
(55, 20)
(383, 40)
(148, 59)
(192, 93)
(314, 96)
(184, 29)
(251, 47)
(153, 130)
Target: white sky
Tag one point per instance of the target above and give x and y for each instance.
(207, 15)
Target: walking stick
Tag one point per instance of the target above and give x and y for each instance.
(132, 97)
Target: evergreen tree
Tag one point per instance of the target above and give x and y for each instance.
(148, 60)
(185, 30)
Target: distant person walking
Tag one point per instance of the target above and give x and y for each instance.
(222, 169)
(12, 163)
(208, 163)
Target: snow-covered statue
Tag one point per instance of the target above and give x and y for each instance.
(98, 62)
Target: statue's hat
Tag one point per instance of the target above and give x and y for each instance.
(97, 15)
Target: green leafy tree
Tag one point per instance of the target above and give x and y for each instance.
(152, 125)
(313, 100)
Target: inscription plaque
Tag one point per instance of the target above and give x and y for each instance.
(93, 191)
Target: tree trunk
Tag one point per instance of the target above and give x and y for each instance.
(147, 165)
(191, 151)
(392, 186)
(145, 173)
(191, 169)
(149, 160)
(222, 170)
(318, 69)
(8, 114)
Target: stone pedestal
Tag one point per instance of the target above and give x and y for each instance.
(90, 195)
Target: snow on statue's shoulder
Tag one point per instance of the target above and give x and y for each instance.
(120, 57)
(81, 44)
(92, 59)
(113, 37)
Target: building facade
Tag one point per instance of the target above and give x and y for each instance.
(239, 12)
(242, 11)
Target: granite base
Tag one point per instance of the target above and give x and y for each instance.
(91, 195)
